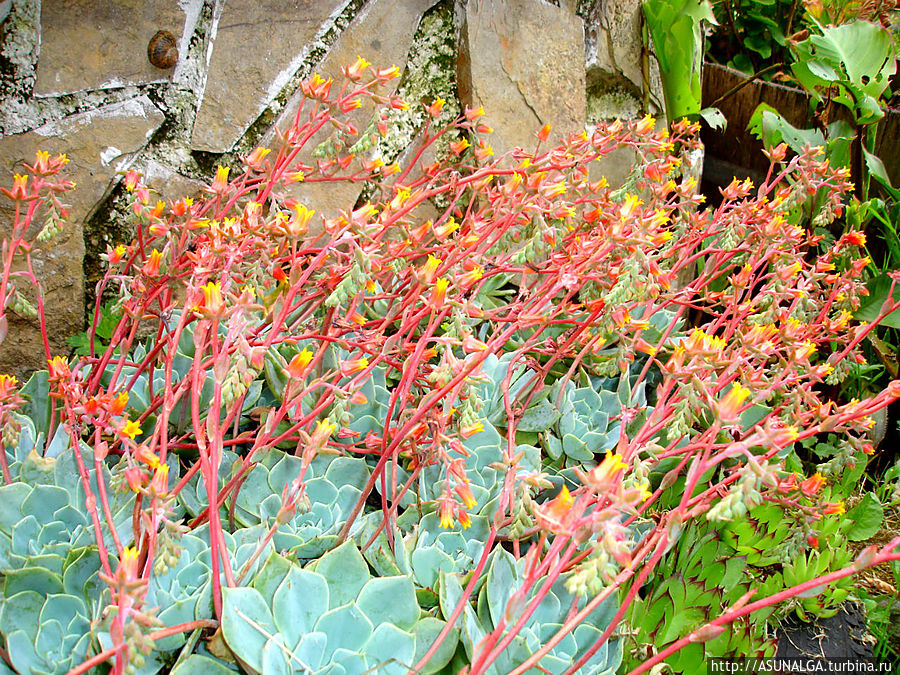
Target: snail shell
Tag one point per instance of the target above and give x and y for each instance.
(163, 50)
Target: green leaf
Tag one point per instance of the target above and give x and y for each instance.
(714, 118)
(247, 624)
(270, 577)
(426, 632)
(879, 291)
(346, 627)
(501, 583)
(275, 659)
(197, 664)
(771, 128)
(21, 611)
(346, 572)
(538, 417)
(298, 603)
(857, 57)
(876, 169)
(37, 408)
(865, 518)
(390, 600)
(675, 27)
(391, 650)
(35, 579)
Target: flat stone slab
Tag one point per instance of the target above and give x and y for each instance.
(86, 44)
(615, 40)
(523, 60)
(100, 144)
(166, 183)
(382, 33)
(258, 47)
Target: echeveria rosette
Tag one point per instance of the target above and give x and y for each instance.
(333, 486)
(46, 614)
(330, 617)
(505, 575)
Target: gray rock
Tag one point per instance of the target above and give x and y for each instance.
(166, 183)
(94, 45)
(258, 47)
(523, 60)
(100, 144)
(381, 33)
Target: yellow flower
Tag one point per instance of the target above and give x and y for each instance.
(630, 206)
(446, 510)
(220, 183)
(128, 565)
(355, 71)
(159, 484)
(646, 125)
(131, 428)
(255, 158)
(213, 303)
(351, 366)
(465, 493)
(439, 294)
(730, 405)
(298, 364)
(429, 269)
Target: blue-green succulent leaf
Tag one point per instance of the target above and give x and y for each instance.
(390, 600)
(346, 627)
(426, 632)
(299, 601)
(247, 624)
(391, 650)
(346, 572)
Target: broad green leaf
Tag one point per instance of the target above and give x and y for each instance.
(865, 518)
(35, 579)
(346, 572)
(856, 56)
(771, 128)
(675, 27)
(247, 624)
(390, 600)
(37, 407)
(501, 583)
(298, 603)
(196, 664)
(876, 169)
(714, 118)
(275, 660)
(426, 632)
(879, 289)
(346, 627)
(270, 577)
(538, 417)
(391, 650)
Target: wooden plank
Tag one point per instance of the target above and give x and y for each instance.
(736, 146)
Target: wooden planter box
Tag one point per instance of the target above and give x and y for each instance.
(735, 152)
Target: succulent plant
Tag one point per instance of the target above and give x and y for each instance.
(183, 592)
(45, 517)
(505, 575)
(331, 617)
(333, 486)
(46, 613)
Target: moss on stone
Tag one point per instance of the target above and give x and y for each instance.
(607, 105)
(430, 74)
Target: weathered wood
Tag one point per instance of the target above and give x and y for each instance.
(736, 146)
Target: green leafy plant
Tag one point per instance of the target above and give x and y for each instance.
(676, 29)
(699, 578)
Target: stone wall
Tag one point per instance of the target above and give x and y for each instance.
(75, 78)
